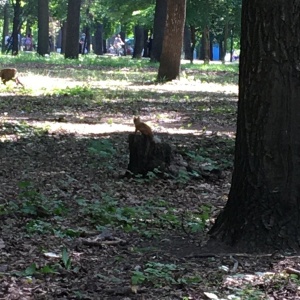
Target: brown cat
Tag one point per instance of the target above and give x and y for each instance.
(10, 74)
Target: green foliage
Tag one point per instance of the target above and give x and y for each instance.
(160, 274)
(196, 222)
(38, 226)
(77, 91)
(105, 150)
(66, 259)
(33, 203)
(22, 129)
(33, 270)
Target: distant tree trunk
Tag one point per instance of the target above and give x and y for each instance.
(158, 29)
(123, 36)
(98, 40)
(146, 44)
(206, 45)
(138, 41)
(262, 213)
(63, 37)
(5, 31)
(169, 67)
(16, 27)
(43, 27)
(225, 42)
(73, 19)
(187, 44)
(193, 41)
(231, 43)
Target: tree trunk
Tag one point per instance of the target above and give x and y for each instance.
(193, 41)
(158, 29)
(98, 40)
(16, 27)
(138, 41)
(73, 18)
(43, 27)
(225, 42)
(188, 54)
(5, 31)
(146, 155)
(63, 37)
(169, 67)
(206, 45)
(146, 43)
(231, 43)
(262, 212)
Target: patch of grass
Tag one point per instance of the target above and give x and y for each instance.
(84, 92)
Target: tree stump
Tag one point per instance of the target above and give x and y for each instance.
(147, 155)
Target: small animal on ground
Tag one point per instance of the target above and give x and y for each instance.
(10, 74)
(142, 127)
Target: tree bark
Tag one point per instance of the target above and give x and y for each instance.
(146, 43)
(160, 16)
(43, 27)
(206, 45)
(169, 67)
(188, 54)
(16, 27)
(73, 19)
(262, 213)
(5, 31)
(225, 33)
(63, 37)
(138, 41)
(98, 40)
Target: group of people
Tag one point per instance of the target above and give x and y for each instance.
(25, 42)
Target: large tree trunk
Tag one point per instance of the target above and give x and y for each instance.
(138, 41)
(169, 67)
(262, 212)
(43, 25)
(5, 31)
(73, 18)
(158, 30)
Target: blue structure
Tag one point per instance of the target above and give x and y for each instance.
(216, 52)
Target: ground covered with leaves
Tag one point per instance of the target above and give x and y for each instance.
(73, 227)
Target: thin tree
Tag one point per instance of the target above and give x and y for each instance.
(43, 27)
(5, 31)
(262, 212)
(73, 22)
(169, 67)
